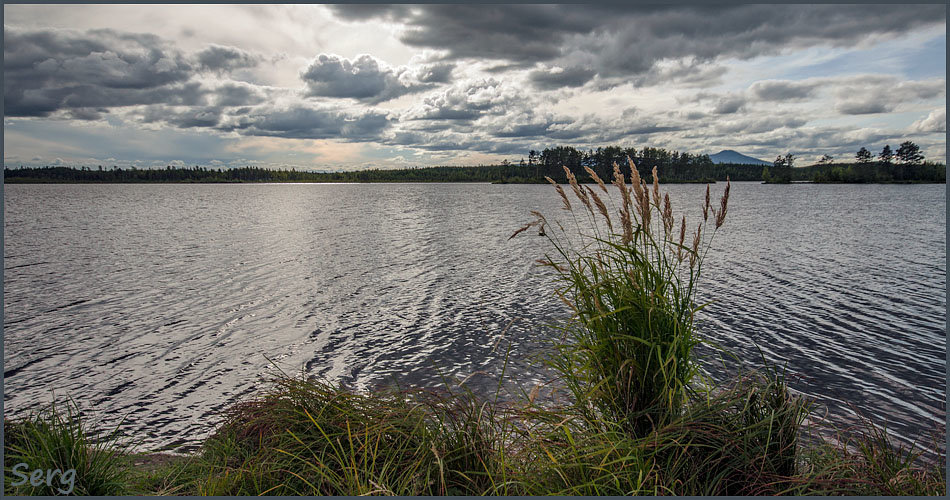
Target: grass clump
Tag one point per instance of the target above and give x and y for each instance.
(56, 439)
(630, 282)
(311, 438)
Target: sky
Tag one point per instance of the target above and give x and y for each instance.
(348, 87)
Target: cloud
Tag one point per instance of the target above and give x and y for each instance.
(49, 70)
(237, 94)
(557, 77)
(631, 41)
(434, 73)
(783, 90)
(758, 125)
(730, 104)
(367, 79)
(190, 117)
(869, 94)
(934, 123)
(467, 100)
(225, 59)
(310, 123)
(863, 106)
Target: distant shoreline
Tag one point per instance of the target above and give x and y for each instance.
(707, 173)
(21, 180)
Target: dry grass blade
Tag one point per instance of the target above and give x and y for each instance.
(723, 206)
(601, 207)
(524, 228)
(667, 215)
(625, 207)
(706, 205)
(679, 248)
(656, 186)
(636, 182)
(596, 178)
(645, 209)
(581, 195)
(694, 254)
(560, 191)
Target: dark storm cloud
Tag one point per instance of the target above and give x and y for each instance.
(224, 59)
(49, 70)
(628, 41)
(310, 123)
(522, 33)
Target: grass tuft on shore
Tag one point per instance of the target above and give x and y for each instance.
(56, 439)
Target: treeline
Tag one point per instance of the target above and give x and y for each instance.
(673, 166)
(490, 173)
(872, 173)
(905, 165)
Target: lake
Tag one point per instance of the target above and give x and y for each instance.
(163, 304)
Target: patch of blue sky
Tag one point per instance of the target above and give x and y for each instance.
(917, 57)
(920, 56)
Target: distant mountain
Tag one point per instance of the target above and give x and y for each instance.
(730, 156)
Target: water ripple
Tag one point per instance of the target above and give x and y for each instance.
(163, 304)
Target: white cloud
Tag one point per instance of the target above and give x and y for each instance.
(934, 123)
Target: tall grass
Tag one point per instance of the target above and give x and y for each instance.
(630, 279)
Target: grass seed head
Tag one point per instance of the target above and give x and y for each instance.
(667, 215)
(596, 178)
(723, 206)
(601, 207)
(581, 195)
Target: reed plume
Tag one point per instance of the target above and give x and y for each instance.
(667, 215)
(567, 203)
(723, 205)
(625, 215)
(694, 253)
(581, 195)
(601, 207)
(597, 179)
(656, 187)
(645, 209)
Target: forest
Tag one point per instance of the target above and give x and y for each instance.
(672, 166)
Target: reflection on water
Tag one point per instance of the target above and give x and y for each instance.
(165, 303)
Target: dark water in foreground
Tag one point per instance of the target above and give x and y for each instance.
(163, 304)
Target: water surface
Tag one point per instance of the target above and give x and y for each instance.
(163, 304)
